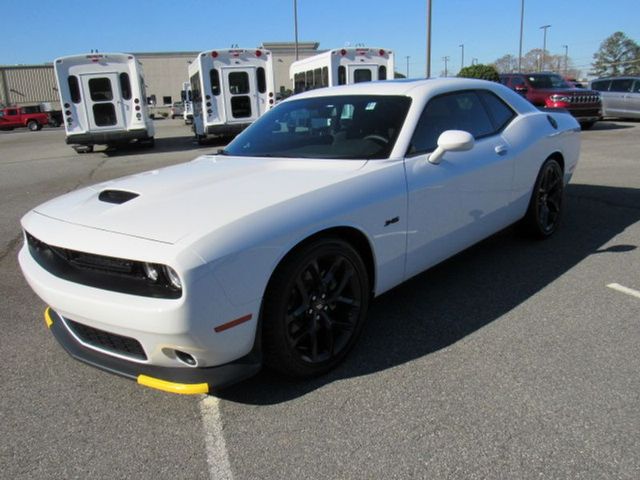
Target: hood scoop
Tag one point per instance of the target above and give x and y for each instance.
(116, 196)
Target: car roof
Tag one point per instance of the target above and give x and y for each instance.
(420, 88)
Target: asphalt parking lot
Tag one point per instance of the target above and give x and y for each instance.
(514, 359)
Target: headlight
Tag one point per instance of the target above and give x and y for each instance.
(560, 98)
(162, 275)
(173, 277)
(151, 271)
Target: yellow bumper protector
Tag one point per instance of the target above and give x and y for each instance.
(47, 317)
(171, 387)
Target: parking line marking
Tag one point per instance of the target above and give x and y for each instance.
(623, 289)
(217, 458)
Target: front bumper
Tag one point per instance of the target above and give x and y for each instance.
(184, 380)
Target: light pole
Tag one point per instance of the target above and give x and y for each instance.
(462, 59)
(446, 59)
(544, 44)
(566, 58)
(407, 57)
(295, 24)
(474, 61)
(521, 28)
(428, 38)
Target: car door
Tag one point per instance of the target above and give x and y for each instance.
(463, 198)
(618, 91)
(602, 86)
(11, 118)
(633, 100)
(362, 73)
(102, 98)
(241, 99)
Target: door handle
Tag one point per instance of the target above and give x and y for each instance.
(501, 149)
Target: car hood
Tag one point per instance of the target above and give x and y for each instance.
(209, 192)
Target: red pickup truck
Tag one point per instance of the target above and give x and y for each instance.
(15, 117)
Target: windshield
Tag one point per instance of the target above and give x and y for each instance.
(547, 81)
(343, 127)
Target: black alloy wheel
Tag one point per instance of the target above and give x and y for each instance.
(545, 208)
(315, 308)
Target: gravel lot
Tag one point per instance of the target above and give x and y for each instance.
(511, 360)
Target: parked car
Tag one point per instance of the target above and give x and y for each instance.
(191, 277)
(552, 91)
(16, 117)
(620, 96)
(177, 110)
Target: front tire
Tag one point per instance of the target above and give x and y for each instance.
(545, 207)
(314, 308)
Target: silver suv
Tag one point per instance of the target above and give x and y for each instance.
(620, 96)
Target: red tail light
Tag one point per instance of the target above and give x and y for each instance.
(381, 52)
(258, 53)
(343, 52)
(214, 54)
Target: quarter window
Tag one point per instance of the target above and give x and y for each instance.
(74, 88)
(262, 80)
(214, 76)
(342, 75)
(125, 86)
(382, 72)
(500, 113)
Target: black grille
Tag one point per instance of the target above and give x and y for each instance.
(100, 271)
(107, 341)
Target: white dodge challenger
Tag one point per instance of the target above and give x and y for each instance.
(192, 277)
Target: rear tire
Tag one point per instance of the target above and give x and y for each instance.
(545, 207)
(314, 308)
(587, 125)
(33, 125)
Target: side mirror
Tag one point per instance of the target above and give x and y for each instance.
(451, 141)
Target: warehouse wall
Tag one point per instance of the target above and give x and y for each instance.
(27, 84)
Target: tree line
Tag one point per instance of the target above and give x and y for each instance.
(617, 55)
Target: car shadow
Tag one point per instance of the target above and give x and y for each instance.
(163, 145)
(467, 292)
(608, 125)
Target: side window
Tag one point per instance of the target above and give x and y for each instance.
(636, 87)
(342, 75)
(622, 85)
(308, 80)
(517, 82)
(317, 78)
(298, 81)
(125, 86)
(74, 88)
(601, 85)
(262, 80)
(500, 113)
(382, 72)
(456, 111)
(214, 76)
(325, 76)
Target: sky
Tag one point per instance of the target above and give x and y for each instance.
(38, 31)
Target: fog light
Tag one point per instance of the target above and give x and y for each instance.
(173, 277)
(151, 271)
